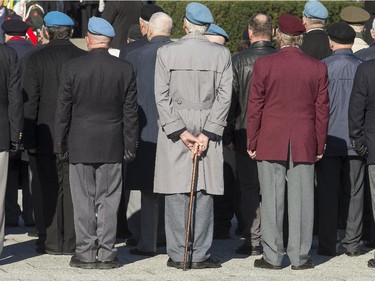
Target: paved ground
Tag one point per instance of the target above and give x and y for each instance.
(20, 262)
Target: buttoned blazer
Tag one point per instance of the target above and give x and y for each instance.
(288, 105)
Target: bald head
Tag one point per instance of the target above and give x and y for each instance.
(260, 27)
(160, 24)
(97, 41)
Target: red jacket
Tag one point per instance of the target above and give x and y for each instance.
(288, 103)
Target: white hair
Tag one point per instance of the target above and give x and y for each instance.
(195, 29)
(161, 23)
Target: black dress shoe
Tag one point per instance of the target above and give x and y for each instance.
(325, 252)
(131, 241)
(262, 263)
(221, 236)
(370, 244)
(371, 263)
(108, 264)
(175, 264)
(208, 263)
(142, 253)
(248, 250)
(307, 265)
(75, 262)
(353, 254)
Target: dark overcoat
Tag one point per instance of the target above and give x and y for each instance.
(316, 44)
(140, 172)
(362, 109)
(97, 108)
(288, 104)
(40, 81)
(11, 114)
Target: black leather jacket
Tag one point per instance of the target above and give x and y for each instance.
(242, 64)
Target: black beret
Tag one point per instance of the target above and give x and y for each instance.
(341, 32)
(15, 27)
(148, 10)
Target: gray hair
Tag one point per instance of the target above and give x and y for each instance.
(161, 23)
(314, 21)
(291, 40)
(196, 29)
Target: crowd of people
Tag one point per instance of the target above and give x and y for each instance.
(282, 136)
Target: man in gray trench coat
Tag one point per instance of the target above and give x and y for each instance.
(193, 83)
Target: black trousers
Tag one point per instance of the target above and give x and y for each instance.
(228, 204)
(334, 175)
(57, 205)
(250, 197)
(18, 176)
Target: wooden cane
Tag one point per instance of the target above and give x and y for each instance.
(191, 201)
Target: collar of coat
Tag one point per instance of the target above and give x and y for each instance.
(195, 37)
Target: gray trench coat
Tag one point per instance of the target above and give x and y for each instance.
(193, 84)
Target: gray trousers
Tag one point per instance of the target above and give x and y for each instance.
(4, 156)
(371, 174)
(176, 214)
(300, 192)
(96, 192)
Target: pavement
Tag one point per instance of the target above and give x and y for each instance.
(19, 261)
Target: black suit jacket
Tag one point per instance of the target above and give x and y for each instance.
(11, 113)
(316, 44)
(97, 108)
(21, 46)
(40, 82)
(362, 109)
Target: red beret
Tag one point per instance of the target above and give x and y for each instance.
(290, 25)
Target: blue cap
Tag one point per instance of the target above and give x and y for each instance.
(100, 26)
(217, 30)
(198, 14)
(315, 9)
(56, 18)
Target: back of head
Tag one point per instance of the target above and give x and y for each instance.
(341, 33)
(59, 25)
(290, 30)
(100, 33)
(197, 18)
(261, 25)
(160, 24)
(216, 34)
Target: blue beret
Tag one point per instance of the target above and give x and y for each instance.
(56, 18)
(217, 30)
(315, 9)
(100, 26)
(198, 14)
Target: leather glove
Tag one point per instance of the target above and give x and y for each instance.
(62, 157)
(128, 156)
(15, 147)
(361, 151)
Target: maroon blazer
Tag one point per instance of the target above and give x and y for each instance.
(288, 103)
